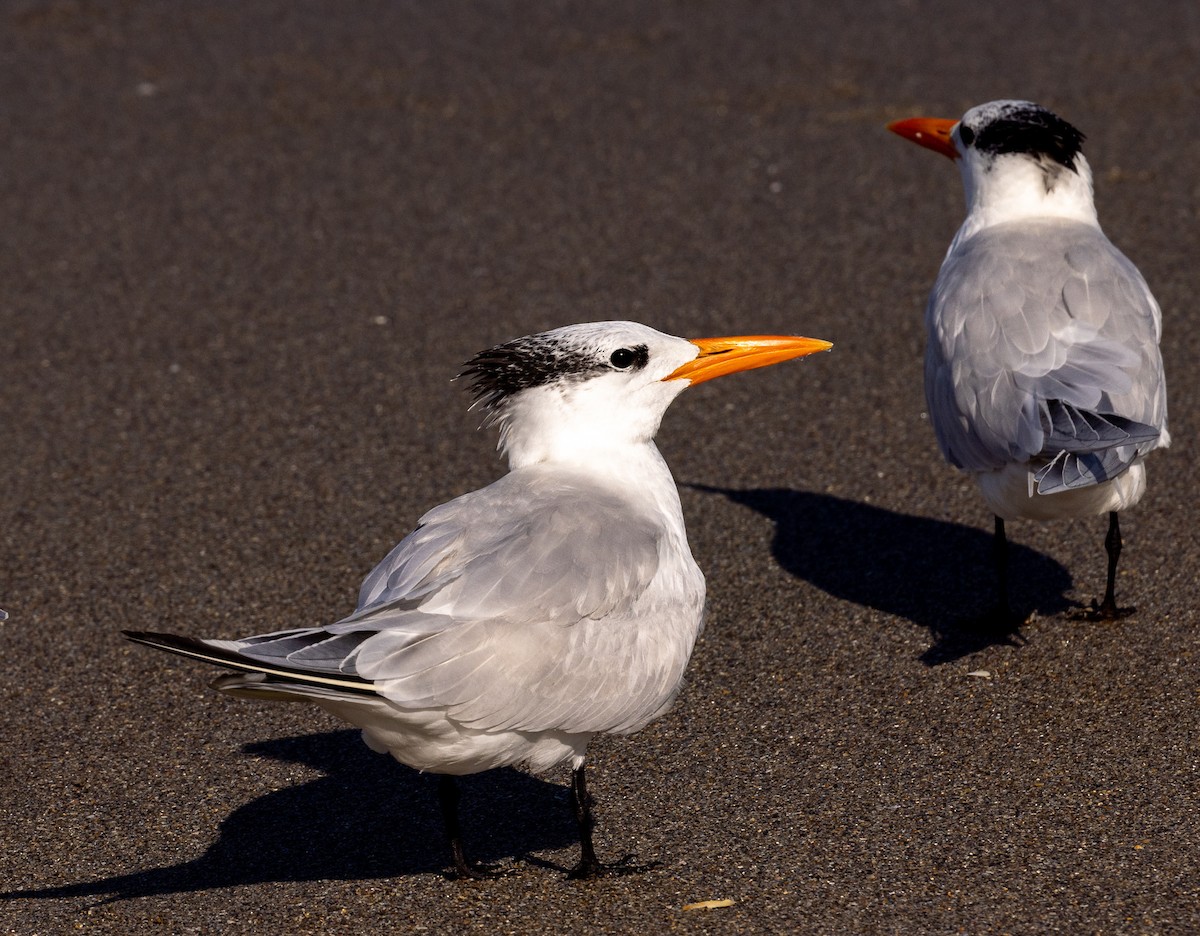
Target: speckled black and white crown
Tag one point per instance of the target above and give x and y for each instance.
(571, 353)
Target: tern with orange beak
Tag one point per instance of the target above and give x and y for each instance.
(517, 621)
(1043, 375)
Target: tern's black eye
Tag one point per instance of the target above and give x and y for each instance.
(966, 134)
(623, 358)
(634, 358)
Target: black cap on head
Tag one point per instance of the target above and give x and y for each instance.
(1021, 127)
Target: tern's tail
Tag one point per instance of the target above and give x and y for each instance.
(261, 678)
(1087, 448)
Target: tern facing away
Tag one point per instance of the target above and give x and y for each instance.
(1043, 375)
(518, 620)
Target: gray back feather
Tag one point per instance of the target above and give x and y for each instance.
(512, 607)
(1043, 340)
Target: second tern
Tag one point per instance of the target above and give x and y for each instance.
(1043, 374)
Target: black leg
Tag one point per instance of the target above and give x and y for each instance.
(581, 804)
(448, 800)
(1112, 545)
(1000, 620)
(1000, 560)
(589, 866)
(1108, 610)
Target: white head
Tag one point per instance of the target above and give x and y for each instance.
(578, 392)
(1018, 160)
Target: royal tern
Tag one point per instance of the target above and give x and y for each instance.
(1043, 375)
(518, 620)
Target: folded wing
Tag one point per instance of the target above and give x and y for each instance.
(1044, 349)
(515, 607)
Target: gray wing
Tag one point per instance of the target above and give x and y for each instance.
(538, 543)
(509, 608)
(1043, 347)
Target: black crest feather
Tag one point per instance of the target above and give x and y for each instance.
(524, 363)
(1027, 128)
(567, 355)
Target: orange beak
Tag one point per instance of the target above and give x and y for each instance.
(930, 132)
(720, 356)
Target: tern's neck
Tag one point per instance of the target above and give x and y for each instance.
(635, 463)
(636, 469)
(614, 446)
(1016, 187)
(578, 425)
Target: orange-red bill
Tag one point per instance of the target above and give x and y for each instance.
(720, 356)
(931, 132)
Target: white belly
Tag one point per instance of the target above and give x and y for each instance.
(430, 741)
(1011, 495)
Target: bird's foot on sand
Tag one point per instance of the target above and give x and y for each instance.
(589, 870)
(1001, 623)
(1104, 611)
(470, 871)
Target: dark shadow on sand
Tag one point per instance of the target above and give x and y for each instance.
(936, 574)
(368, 817)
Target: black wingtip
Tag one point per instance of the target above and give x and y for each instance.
(194, 649)
(161, 641)
(190, 647)
(139, 636)
(149, 638)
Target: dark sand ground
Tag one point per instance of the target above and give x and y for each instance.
(246, 245)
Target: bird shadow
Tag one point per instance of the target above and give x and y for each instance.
(934, 573)
(367, 817)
